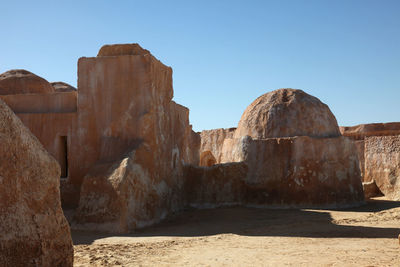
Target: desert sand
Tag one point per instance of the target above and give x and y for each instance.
(238, 236)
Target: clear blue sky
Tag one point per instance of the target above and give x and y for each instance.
(224, 54)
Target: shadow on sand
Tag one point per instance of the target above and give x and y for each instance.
(259, 222)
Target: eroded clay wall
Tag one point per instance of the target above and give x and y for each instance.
(382, 164)
(115, 94)
(298, 171)
(218, 185)
(359, 132)
(211, 145)
(64, 102)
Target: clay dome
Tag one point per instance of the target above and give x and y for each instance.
(287, 113)
(63, 87)
(15, 82)
(122, 49)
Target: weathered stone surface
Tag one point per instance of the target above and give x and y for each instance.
(359, 132)
(299, 171)
(218, 185)
(295, 155)
(207, 158)
(34, 231)
(359, 145)
(23, 82)
(371, 189)
(138, 147)
(63, 87)
(287, 113)
(51, 115)
(122, 50)
(382, 164)
(211, 144)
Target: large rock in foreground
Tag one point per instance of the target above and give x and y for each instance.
(34, 231)
(287, 113)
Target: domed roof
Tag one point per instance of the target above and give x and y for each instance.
(23, 82)
(287, 113)
(63, 87)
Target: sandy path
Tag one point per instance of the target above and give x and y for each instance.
(366, 236)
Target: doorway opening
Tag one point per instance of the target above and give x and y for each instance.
(63, 156)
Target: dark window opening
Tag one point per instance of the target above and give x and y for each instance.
(63, 156)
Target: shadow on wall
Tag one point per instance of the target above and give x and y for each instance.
(260, 222)
(207, 159)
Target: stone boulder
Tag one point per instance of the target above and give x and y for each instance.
(287, 113)
(23, 82)
(63, 87)
(382, 164)
(34, 231)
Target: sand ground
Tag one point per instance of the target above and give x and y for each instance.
(236, 236)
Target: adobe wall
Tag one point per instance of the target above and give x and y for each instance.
(382, 164)
(133, 141)
(114, 97)
(211, 145)
(217, 185)
(51, 117)
(49, 128)
(283, 172)
(298, 171)
(58, 102)
(360, 147)
(359, 132)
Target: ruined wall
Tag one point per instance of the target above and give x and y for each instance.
(298, 171)
(217, 185)
(359, 145)
(318, 170)
(133, 141)
(359, 132)
(51, 117)
(211, 145)
(382, 164)
(120, 106)
(58, 102)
